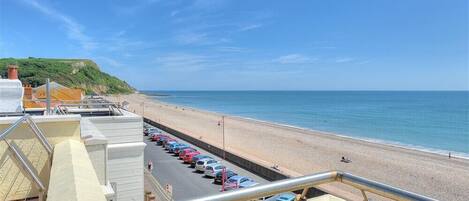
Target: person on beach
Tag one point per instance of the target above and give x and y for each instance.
(345, 160)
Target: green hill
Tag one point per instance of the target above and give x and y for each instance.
(73, 73)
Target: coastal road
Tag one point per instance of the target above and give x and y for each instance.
(186, 183)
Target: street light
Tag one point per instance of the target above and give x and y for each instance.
(222, 123)
(223, 120)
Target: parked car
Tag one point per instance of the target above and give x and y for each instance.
(182, 153)
(172, 147)
(218, 176)
(166, 141)
(150, 130)
(161, 139)
(239, 182)
(289, 196)
(188, 157)
(197, 158)
(169, 143)
(157, 137)
(180, 147)
(212, 169)
(202, 163)
(154, 133)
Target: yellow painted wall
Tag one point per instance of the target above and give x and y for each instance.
(72, 176)
(15, 185)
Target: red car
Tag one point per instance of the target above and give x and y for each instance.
(157, 137)
(183, 152)
(188, 157)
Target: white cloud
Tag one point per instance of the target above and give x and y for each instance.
(295, 59)
(344, 59)
(250, 27)
(74, 29)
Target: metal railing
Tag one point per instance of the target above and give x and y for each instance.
(310, 181)
(112, 107)
(18, 155)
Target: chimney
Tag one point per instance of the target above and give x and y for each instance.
(28, 92)
(12, 72)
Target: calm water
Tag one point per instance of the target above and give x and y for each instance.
(434, 121)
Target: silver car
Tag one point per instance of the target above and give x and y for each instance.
(212, 169)
(201, 164)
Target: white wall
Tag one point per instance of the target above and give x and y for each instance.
(119, 129)
(97, 154)
(125, 149)
(125, 167)
(11, 94)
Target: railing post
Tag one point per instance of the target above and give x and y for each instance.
(48, 96)
(39, 134)
(303, 194)
(365, 198)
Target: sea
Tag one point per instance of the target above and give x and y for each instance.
(432, 121)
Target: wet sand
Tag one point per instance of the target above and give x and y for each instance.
(299, 151)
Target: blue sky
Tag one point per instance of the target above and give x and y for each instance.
(268, 45)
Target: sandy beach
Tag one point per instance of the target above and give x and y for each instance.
(299, 151)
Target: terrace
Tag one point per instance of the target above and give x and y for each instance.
(90, 152)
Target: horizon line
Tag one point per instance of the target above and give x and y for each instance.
(338, 90)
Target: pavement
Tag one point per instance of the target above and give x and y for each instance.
(185, 181)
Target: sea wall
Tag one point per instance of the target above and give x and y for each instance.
(265, 172)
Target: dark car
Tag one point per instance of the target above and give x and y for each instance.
(198, 157)
(229, 173)
(162, 138)
(150, 130)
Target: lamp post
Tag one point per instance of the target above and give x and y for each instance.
(223, 132)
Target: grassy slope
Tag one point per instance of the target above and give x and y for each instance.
(74, 73)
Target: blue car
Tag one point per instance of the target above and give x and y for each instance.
(169, 144)
(239, 182)
(180, 147)
(173, 147)
(289, 196)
